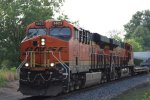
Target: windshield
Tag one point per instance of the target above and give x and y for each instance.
(61, 33)
(36, 32)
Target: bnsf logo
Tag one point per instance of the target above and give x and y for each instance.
(55, 49)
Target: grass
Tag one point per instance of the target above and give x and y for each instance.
(7, 75)
(139, 93)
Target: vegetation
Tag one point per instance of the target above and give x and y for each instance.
(7, 75)
(116, 35)
(138, 31)
(15, 15)
(135, 44)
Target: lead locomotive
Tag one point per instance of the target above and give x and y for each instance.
(57, 57)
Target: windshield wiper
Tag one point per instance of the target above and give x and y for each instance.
(37, 31)
(60, 29)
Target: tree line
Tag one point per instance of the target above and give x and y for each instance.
(138, 31)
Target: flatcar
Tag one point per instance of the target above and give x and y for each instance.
(58, 57)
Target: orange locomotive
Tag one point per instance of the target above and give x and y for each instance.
(59, 57)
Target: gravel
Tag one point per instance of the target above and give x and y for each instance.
(110, 90)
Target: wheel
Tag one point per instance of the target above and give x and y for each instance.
(114, 75)
(118, 74)
(72, 86)
(77, 87)
(66, 90)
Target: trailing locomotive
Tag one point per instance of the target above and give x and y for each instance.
(57, 57)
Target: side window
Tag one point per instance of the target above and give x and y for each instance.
(85, 37)
(83, 40)
(76, 33)
(80, 36)
(89, 37)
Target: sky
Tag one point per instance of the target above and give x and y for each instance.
(103, 16)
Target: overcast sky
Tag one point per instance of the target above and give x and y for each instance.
(103, 16)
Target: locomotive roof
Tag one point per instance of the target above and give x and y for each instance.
(101, 37)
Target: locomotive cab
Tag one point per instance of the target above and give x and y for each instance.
(44, 57)
(47, 37)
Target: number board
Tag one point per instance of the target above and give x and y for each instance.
(57, 23)
(39, 23)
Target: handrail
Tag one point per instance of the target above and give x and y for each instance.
(65, 65)
(20, 66)
(62, 65)
(59, 60)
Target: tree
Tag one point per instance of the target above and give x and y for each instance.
(114, 34)
(62, 16)
(136, 46)
(138, 28)
(15, 15)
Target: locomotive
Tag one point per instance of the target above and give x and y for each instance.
(58, 57)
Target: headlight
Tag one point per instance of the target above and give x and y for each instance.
(52, 64)
(42, 41)
(26, 64)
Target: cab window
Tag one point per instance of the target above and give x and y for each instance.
(35, 32)
(61, 33)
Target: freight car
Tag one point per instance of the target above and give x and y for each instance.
(57, 56)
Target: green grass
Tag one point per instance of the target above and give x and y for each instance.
(2, 82)
(7, 75)
(139, 93)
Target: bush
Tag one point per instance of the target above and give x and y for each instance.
(7, 75)
(2, 81)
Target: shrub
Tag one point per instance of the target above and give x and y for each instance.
(7, 75)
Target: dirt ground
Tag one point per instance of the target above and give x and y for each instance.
(9, 92)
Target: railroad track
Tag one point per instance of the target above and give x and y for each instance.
(103, 91)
